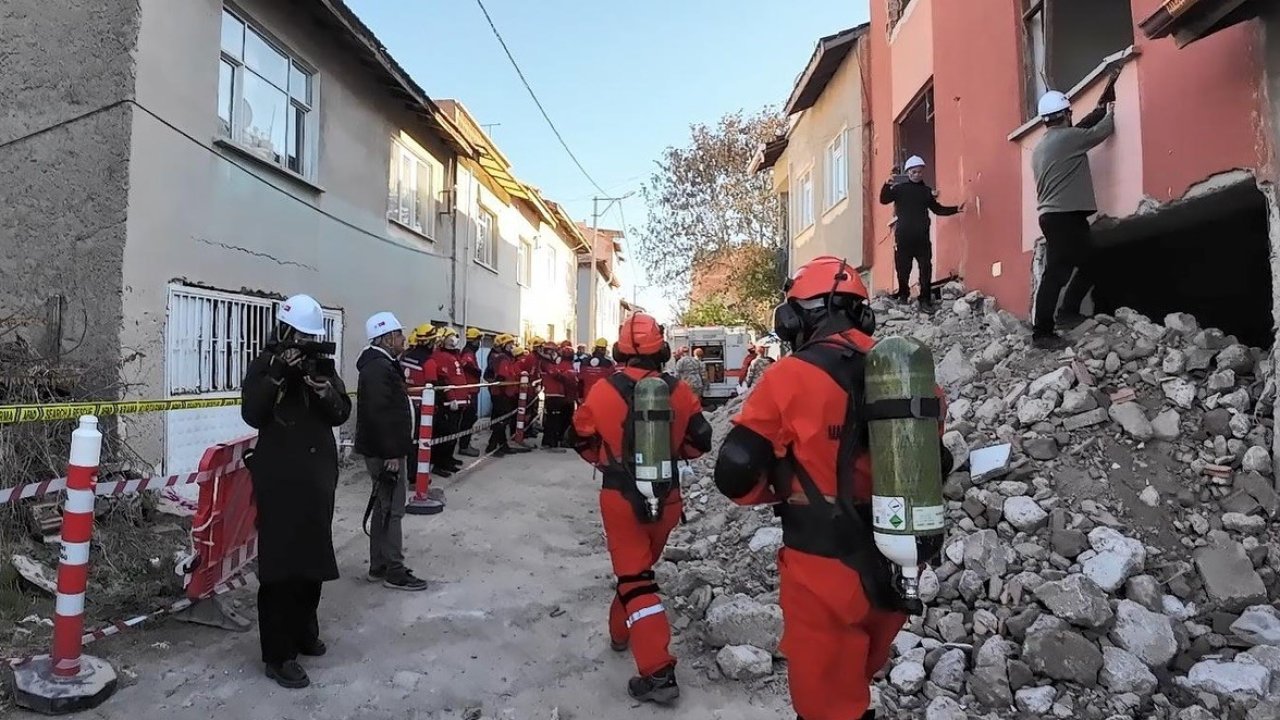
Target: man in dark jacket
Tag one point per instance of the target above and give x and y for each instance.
(385, 437)
(293, 397)
(913, 200)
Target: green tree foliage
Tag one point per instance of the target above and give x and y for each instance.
(704, 202)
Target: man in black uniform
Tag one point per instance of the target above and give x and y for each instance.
(913, 199)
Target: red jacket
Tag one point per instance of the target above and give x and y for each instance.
(502, 368)
(419, 367)
(604, 413)
(449, 373)
(530, 363)
(557, 378)
(594, 369)
(471, 368)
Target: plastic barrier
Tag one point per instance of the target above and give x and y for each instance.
(224, 531)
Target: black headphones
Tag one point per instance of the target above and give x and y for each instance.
(794, 324)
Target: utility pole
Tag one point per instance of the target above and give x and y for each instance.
(595, 230)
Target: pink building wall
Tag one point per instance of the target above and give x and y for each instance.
(1183, 116)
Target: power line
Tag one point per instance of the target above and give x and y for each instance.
(536, 101)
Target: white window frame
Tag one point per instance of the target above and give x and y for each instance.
(486, 254)
(420, 216)
(211, 337)
(837, 167)
(804, 201)
(524, 263)
(307, 103)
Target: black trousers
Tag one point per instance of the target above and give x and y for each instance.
(287, 618)
(908, 249)
(559, 413)
(447, 423)
(498, 430)
(1068, 250)
(470, 414)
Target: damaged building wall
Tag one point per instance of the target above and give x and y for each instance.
(64, 157)
(206, 215)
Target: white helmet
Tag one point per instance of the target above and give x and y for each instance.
(1052, 103)
(381, 324)
(302, 313)
(914, 161)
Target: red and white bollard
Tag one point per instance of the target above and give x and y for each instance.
(69, 681)
(521, 405)
(422, 503)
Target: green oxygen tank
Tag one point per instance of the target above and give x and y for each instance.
(907, 508)
(652, 443)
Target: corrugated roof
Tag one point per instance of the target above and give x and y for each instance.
(488, 156)
(827, 57)
(1191, 20)
(374, 55)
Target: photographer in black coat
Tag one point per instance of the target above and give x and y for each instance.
(293, 397)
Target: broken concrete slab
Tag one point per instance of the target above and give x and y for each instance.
(1229, 576)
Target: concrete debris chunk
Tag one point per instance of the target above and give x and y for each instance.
(1258, 625)
(1086, 419)
(1229, 576)
(1063, 655)
(1059, 381)
(1180, 392)
(908, 677)
(955, 369)
(948, 672)
(1147, 635)
(1133, 419)
(944, 708)
(1076, 599)
(744, 621)
(1025, 514)
(1036, 701)
(744, 662)
(1228, 679)
(1166, 425)
(1257, 460)
(1236, 358)
(1117, 558)
(1123, 672)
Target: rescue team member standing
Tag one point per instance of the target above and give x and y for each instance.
(558, 385)
(294, 406)
(470, 413)
(1064, 187)
(450, 400)
(603, 433)
(913, 200)
(502, 367)
(796, 429)
(689, 369)
(596, 367)
(756, 369)
(385, 436)
(421, 367)
(531, 363)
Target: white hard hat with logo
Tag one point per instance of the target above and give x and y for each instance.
(1053, 103)
(381, 324)
(302, 313)
(914, 161)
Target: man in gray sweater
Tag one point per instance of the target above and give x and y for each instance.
(1064, 187)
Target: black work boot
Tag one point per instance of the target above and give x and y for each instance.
(660, 687)
(314, 648)
(1048, 341)
(289, 674)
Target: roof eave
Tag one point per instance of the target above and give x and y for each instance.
(830, 51)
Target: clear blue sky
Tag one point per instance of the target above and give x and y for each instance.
(622, 79)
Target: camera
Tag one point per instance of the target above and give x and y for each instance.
(317, 357)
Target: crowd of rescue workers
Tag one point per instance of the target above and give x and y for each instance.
(799, 444)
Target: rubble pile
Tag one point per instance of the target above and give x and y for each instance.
(1122, 563)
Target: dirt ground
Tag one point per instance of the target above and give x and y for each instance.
(513, 624)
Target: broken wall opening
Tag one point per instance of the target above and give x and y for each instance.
(1208, 256)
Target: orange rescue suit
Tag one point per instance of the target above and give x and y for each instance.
(834, 640)
(636, 615)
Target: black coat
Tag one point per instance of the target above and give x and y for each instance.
(384, 416)
(295, 471)
(913, 201)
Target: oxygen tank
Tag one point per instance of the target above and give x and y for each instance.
(652, 422)
(908, 511)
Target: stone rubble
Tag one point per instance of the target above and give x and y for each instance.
(1124, 565)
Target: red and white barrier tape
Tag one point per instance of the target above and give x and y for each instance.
(479, 427)
(117, 487)
(119, 626)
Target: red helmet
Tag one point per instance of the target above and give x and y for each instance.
(823, 276)
(641, 334)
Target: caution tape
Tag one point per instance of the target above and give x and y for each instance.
(17, 414)
(117, 487)
(119, 626)
(479, 427)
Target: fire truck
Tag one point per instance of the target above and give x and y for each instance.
(724, 354)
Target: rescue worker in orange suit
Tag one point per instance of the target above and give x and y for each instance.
(596, 367)
(419, 366)
(838, 623)
(470, 368)
(450, 402)
(502, 367)
(558, 386)
(602, 435)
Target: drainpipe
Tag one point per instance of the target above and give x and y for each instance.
(453, 259)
